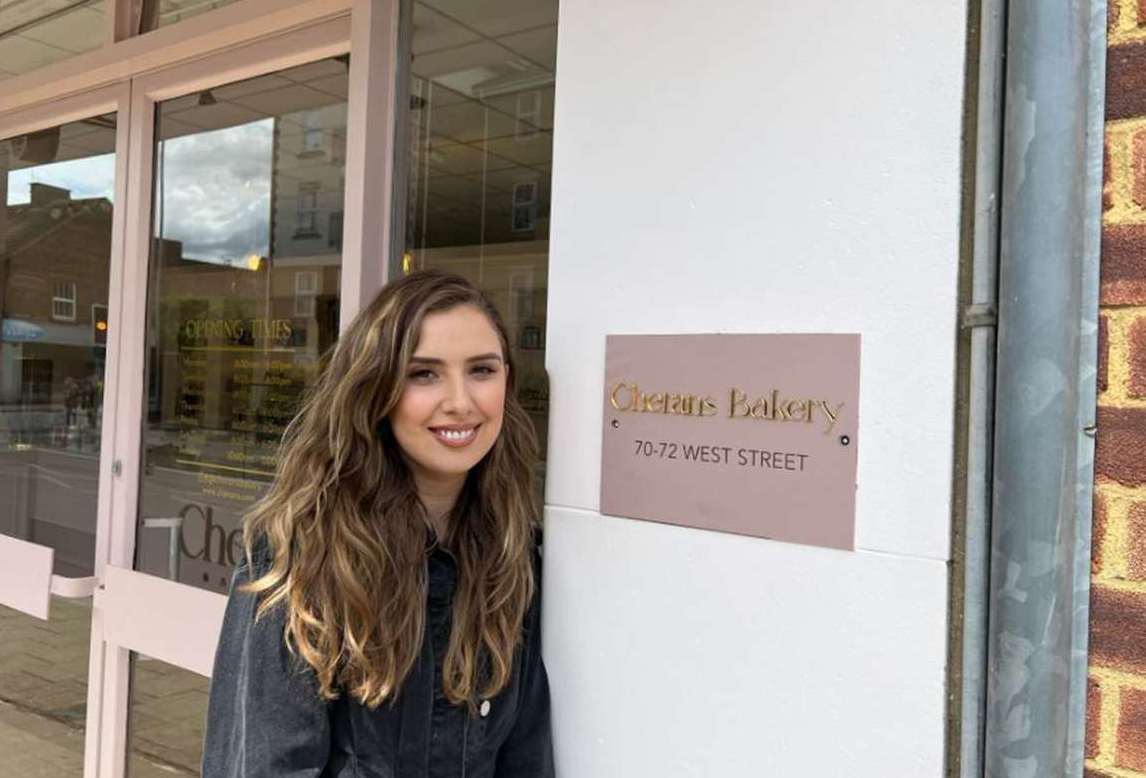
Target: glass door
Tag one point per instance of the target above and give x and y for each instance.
(60, 251)
(233, 253)
(243, 297)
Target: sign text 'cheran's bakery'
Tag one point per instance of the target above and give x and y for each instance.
(627, 396)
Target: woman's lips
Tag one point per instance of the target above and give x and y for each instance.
(455, 437)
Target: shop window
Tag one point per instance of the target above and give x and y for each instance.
(242, 302)
(64, 301)
(306, 225)
(525, 207)
(479, 161)
(528, 115)
(305, 290)
(312, 140)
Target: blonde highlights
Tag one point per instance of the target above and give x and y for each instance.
(345, 531)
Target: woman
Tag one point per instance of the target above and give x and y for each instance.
(386, 622)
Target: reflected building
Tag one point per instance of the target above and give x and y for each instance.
(53, 297)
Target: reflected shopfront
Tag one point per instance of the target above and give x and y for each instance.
(56, 208)
(242, 302)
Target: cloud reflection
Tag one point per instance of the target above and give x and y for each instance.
(214, 190)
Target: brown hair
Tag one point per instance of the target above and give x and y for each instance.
(347, 533)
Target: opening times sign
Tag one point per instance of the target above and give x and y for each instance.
(751, 434)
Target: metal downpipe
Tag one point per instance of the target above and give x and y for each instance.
(1045, 390)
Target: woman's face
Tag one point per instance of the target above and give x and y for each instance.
(453, 399)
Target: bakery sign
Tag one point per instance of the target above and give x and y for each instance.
(751, 434)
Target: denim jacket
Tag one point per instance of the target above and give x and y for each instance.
(265, 717)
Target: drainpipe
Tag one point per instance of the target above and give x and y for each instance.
(975, 394)
(1045, 388)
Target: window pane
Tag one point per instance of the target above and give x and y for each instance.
(165, 725)
(160, 13)
(242, 199)
(480, 156)
(56, 203)
(34, 34)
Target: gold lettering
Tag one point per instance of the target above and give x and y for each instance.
(777, 408)
(737, 398)
(832, 415)
(801, 408)
(654, 403)
(613, 397)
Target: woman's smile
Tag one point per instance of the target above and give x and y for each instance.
(455, 436)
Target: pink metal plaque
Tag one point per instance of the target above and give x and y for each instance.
(752, 434)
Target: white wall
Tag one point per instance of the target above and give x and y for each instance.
(755, 166)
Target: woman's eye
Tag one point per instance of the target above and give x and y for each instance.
(485, 370)
(422, 375)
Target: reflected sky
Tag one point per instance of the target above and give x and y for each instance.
(88, 177)
(214, 192)
(213, 189)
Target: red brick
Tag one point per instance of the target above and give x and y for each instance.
(1131, 751)
(1090, 772)
(1126, 80)
(1103, 353)
(1120, 451)
(1138, 168)
(1123, 266)
(1098, 534)
(1117, 623)
(1137, 338)
(1107, 199)
(1093, 717)
(1136, 541)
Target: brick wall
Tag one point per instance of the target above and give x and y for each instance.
(1116, 704)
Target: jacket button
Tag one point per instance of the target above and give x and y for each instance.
(484, 710)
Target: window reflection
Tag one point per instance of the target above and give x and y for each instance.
(56, 186)
(35, 34)
(480, 159)
(56, 202)
(244, 282)
(160, 13)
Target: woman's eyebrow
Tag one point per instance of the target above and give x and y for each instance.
(437, 361)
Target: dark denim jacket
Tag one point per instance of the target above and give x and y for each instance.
(265, 717)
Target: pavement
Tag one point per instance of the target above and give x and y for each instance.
(43, 692)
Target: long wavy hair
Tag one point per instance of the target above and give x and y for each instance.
(347, 533)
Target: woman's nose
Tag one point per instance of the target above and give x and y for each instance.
(457, 399)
